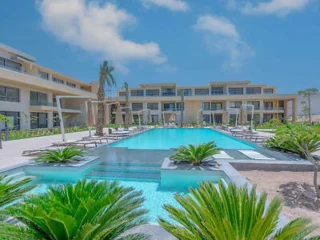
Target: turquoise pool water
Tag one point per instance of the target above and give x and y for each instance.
(154, 196)
(174, 138)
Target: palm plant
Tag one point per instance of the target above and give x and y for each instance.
(68, 154)
(86, 210)
(195, 154)
(12, 190)
(230, 213)
(105, 77)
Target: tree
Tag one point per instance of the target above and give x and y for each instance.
(195, 154)
(307, 93)
(11, 190)
(105, 77)
(230, 213)
(126, 87)
(85, 210)
(182, 107)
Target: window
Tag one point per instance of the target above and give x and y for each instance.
(167, 92)
(216, 106)
(256, 118)
(38, 99)
(56, 120)
(233, 118)
(256, 105)
(155, 118)
(71, 84)
(206, 106)
(206, 118)
(137, 93)
(236, 104)
(10, 64)
(201, 92)
(122, 94)
(254, 90)
(268, 91)
(235, 91)
(268, 105)
(43, 75)
(153, 92)
(186, 92)
(137, 106)
(168, 106)
(14, 119)
(153, 106)
(217, 91)
(281, 105)
(38, 120)
(267, 117)
(218, 118)
(58, 80)
(179, 105)
(9, 94)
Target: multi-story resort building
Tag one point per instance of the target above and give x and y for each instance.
(28, 97)
(28, 92)
(220, 102)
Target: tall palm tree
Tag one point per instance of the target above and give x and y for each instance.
(126, 88)
(105, 77)
(230, 213)
(86, 210)
(307, 93)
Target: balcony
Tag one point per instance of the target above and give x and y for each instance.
(168, 94)
(135, 109)
(45, 106)
(171, 109)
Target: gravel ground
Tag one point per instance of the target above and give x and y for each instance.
(270, 181)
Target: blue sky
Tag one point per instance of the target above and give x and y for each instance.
(275, 42)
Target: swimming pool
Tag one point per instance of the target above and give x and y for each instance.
(176, 137)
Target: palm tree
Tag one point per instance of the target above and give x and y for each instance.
(126, 87)
(12, 190)
(86, 210)
(307, 93)
(230, 213)
(105, 77)
(195, 154)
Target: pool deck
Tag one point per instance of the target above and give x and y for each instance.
(11, 154)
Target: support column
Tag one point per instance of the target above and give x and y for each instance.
(294, 110)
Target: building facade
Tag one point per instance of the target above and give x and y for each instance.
(220, 102)
(28, 93)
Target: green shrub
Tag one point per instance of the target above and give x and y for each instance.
(195, 154)
(86, 210)
(230, 213)
(67, 154)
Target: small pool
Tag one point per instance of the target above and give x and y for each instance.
(176, 137)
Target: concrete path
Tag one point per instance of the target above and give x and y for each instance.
(11, 154)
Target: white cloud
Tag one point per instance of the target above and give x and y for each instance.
(277, 7)
(221, 36)
(173, 5)
(96, 28)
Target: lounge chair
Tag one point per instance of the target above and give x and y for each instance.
(85, 143)
(64, 143)
(33, 152)
(96, 138)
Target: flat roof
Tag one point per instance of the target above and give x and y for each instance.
(17, 52)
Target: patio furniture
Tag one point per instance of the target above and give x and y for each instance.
(85, 143)
(33, 152)
(64, 143)
(96, 138)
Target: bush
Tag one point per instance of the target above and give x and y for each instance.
(68, 154)
(195, 154)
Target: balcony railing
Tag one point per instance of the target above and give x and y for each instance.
(169, 109)
(168, 94)
(38, 104)
(136, 109)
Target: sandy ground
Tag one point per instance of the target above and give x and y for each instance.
(270, 181)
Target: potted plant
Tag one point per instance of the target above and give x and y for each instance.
(64, 155)
(195, 155)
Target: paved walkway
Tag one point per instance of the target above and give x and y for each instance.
(11, 154)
